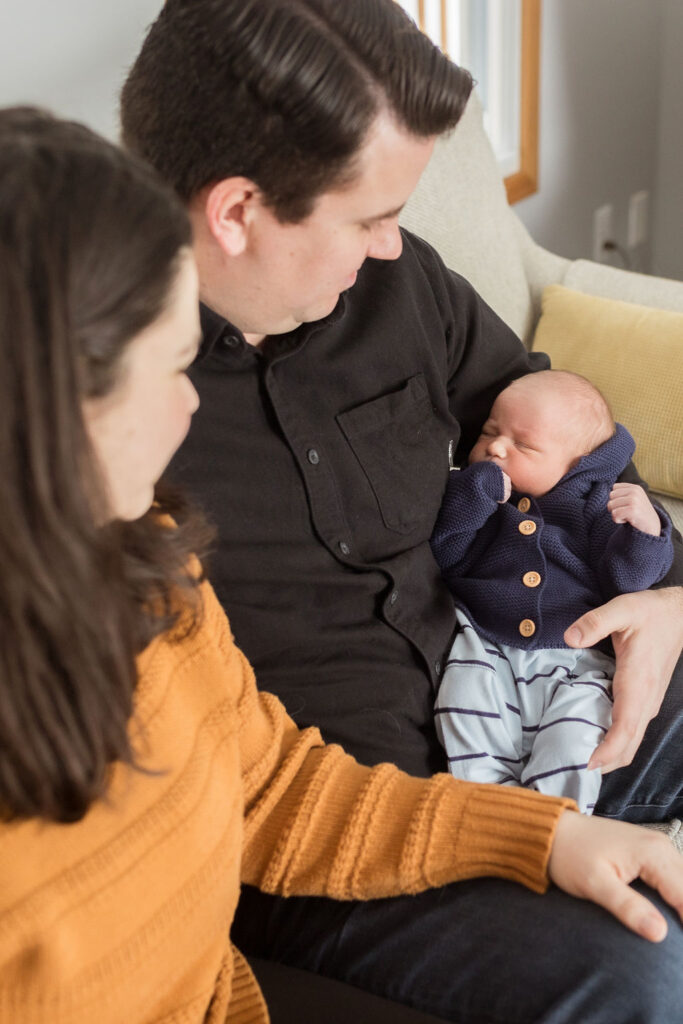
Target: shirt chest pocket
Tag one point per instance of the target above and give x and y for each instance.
(402, 448)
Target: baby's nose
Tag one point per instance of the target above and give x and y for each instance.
(497, 448)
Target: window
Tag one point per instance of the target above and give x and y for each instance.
(498, 41)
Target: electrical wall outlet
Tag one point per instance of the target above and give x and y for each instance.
(637, 219)
(603, 230)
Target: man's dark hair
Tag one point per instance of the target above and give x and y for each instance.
(90, 247)
(282, 92)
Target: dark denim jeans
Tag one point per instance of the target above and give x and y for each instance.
(489, 951)
(479, 952)
(651, 787)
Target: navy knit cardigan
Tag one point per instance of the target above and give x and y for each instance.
(567, 538)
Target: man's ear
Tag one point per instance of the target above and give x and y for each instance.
(229, 208)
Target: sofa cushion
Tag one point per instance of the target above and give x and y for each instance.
(634, 355)
(460, 207)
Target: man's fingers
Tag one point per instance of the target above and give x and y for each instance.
(594, 626)
(615, 751)
(629, 906)
(622, 739)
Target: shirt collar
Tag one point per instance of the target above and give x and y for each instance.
(215, 329)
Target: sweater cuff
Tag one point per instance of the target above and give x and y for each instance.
(489, 480)
(510, 832)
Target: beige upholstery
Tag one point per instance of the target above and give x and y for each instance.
(460, 207)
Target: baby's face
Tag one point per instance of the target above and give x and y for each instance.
(531, 440)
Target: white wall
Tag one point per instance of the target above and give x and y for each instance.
(71, 55)
(599, 122)
(667, 257)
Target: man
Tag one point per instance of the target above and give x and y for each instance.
(340, 358)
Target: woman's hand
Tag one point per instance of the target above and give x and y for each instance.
(647, 633)
(596, 859)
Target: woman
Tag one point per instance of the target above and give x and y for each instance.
(142, 777)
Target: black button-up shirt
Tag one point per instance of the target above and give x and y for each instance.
(322, 456)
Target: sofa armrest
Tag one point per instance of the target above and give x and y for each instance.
(543, 268)
(613, 283)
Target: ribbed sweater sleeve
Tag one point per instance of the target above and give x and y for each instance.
(472, 496)
(124, 916)
(627, 559)
(318, 823)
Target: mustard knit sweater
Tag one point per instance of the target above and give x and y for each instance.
(125, 915)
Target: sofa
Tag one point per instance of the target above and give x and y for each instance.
(460, 207)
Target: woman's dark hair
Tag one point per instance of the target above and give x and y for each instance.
(283, 92)
(90, 244)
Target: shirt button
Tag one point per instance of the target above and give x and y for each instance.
(531, 579)
(527, 627)
(393, 597)
(231, 340)
(527, 527)
(313, 456)
(344, 547)
(437, 667)
(524, 505)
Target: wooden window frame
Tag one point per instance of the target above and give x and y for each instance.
(524, 182)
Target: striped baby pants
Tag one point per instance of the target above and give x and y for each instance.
(529, 718)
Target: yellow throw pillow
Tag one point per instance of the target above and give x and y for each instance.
(634, 355)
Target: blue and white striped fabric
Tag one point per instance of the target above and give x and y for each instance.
(529, 718)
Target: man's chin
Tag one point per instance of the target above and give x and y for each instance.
(304, 316)
(320, 311)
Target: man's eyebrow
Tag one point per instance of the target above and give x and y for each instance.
(383, 216)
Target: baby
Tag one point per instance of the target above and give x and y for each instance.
(532, 534)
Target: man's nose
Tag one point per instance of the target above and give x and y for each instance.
(386, 242)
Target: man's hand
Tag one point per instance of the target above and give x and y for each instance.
(647, 633)
(628, 503)
(596, 859)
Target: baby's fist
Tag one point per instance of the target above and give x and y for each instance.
(628, 503)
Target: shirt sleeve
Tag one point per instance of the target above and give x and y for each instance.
(318, 823)
(485, 355)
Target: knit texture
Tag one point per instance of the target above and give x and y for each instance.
(566, 537)
(125, 915)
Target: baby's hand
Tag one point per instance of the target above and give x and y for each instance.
(628, 503)
(507, 488)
